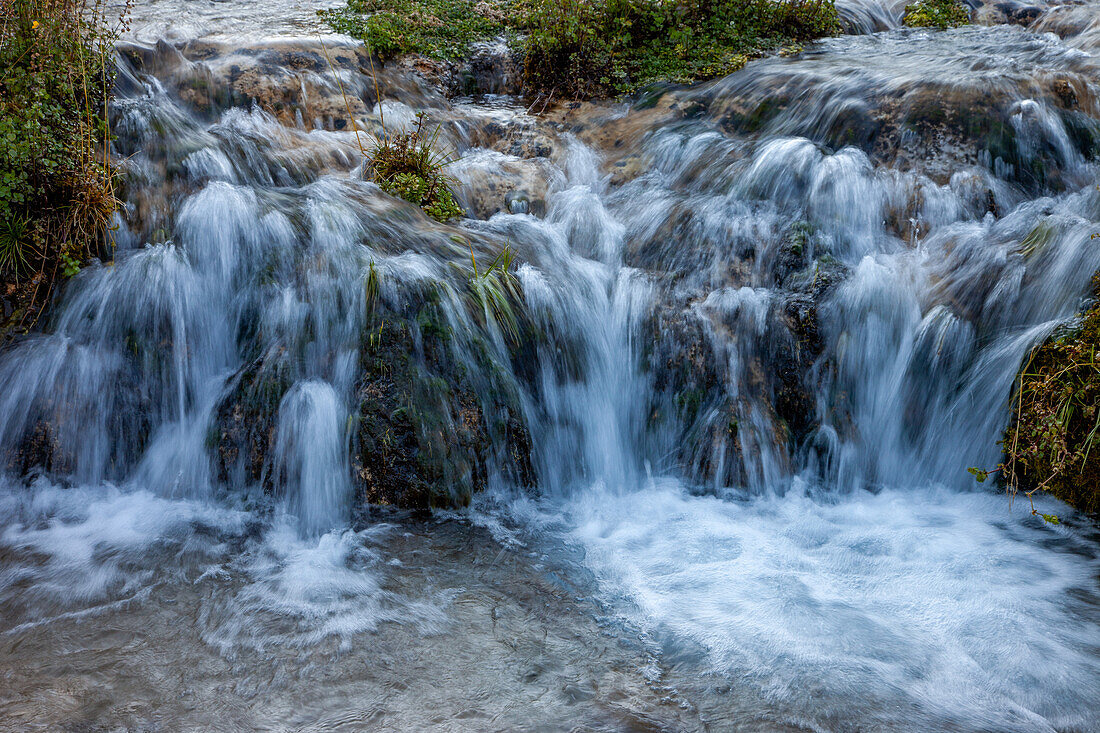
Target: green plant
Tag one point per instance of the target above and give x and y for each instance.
(442, 29)
(494, 289)
(57, 182)
(372, 286)
(70, 263)
(942, 14)
(408, 165)
(584, 48)
(16, 246)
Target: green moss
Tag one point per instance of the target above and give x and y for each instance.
(689, 401)
(942, 14)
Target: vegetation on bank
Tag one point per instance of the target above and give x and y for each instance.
(942, 14)
(57, 193)
(1053, 441)
(588, 48)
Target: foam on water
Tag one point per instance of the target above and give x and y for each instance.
(72, 549)
(926, 609)
(299, 592)
(70, 552)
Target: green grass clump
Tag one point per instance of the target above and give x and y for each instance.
(610, 47)
(408, 165)
(942, 14)
(56, 179)
(442, 29)
(586, 48)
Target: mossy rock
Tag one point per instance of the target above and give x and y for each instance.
(1053, 442)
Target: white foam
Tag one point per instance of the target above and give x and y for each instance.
(75, 548)
(927, 608)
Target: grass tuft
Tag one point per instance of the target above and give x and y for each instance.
(408, 165)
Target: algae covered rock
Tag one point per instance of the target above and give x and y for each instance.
(1053, 442)
(432, 412)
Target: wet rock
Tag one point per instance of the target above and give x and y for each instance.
(427, 426)
(300, 82)
(1007, 112)
(489, 182)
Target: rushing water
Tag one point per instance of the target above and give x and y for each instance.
(776, 319)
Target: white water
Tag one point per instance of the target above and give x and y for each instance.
(906, 609)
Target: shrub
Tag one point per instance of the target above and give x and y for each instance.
(942, 14)
(56, 179)
(407, 165)
(614, 46)
(582, 48)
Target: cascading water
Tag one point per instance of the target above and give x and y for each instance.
(762, 329)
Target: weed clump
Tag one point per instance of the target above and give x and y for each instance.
(942, 14)
(56, 179)
(407, 165)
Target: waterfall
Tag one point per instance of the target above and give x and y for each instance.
(753, 336)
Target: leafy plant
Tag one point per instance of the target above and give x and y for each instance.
(70, 264)
(408, 165)
(942, 14)
(439, 28)
(582, 48)
(57, 194)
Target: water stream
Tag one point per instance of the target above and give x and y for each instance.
(764, 325)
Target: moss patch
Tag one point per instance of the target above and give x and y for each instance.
(1053, 442)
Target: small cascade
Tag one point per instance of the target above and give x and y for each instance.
(310, 456)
